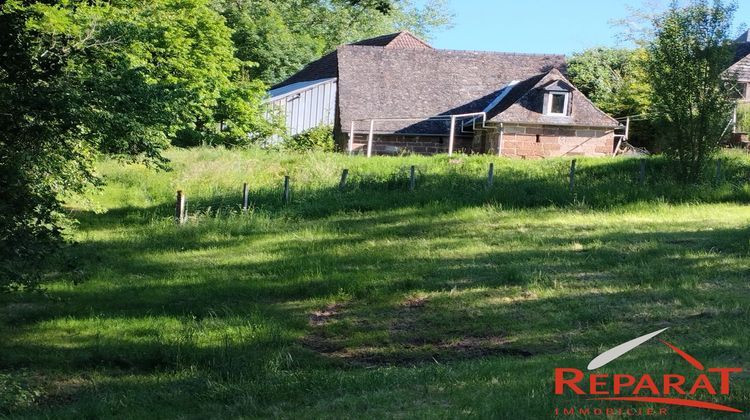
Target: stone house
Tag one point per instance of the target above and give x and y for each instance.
(395, 93)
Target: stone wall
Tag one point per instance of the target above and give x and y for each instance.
(527, 142)
(388, 144)
(531, 142)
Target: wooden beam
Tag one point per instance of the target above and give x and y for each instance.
(452, 136)
(370, 138)
(351, 139)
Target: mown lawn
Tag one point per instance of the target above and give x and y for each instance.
(454, 300)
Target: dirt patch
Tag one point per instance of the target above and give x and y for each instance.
(403, 318)
(406, 342)
(62, 392)
(415, 302)
(321, 344)
(325, 315)
(319, 340)
(466, 348)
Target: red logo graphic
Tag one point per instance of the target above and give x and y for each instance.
(669, 389)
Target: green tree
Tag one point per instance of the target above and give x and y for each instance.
(262, 35)
(614, 79)
(282, 36)
(79, 79)
(691, 103)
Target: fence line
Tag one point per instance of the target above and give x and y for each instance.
(181, 204)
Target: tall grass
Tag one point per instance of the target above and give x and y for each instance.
(213, 178)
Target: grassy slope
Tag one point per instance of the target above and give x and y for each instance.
(452, 300)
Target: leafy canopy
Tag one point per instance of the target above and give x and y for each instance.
(80, 79)
(282, 36)
(613, 78)
(692, 102)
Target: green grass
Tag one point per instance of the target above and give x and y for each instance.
(455, 300)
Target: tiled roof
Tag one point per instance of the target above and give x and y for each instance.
(327, 66)
(740, 69)
(403, 39)
(525, 104)
(397, 83)
(400, 76)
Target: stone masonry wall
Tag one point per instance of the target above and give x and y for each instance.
(527, 142)
(531, 142)
(396, 144)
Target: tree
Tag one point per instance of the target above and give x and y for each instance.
(691, 103)
(80, 79)
(263, 35)
(282, 36)
(614, 79)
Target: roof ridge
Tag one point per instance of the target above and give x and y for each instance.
(500, 53)
(391, 40)
(410, 34)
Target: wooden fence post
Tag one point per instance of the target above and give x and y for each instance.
(285, 198)
(642, 172)
(718, 171)
(572, 175)
(491, 175)
(179, 212)
(245, 197)
(344, 176)
(411, 178)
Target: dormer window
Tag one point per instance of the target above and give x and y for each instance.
(557, 99)
(558, 103)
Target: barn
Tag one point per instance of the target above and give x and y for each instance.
(396, 93)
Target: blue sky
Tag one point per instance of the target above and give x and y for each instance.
(541, 26)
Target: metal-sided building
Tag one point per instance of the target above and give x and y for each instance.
(305, 105)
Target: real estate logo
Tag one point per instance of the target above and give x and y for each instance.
(667, 389)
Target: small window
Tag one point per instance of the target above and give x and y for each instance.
(558, 104)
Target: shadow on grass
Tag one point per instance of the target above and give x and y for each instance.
(242, 298)
(475, 305)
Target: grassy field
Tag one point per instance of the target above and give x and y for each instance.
(454, 300)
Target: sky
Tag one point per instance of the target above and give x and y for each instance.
(542, 26)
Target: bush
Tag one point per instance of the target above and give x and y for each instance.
(691, 113)
(314, 139)
(743, 118)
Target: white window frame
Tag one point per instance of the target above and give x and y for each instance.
(565, 104)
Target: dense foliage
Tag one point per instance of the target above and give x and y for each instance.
(743, 118)
(318, 139)
(615, 80)
(281, 36)
(81, 79)
(691, 103)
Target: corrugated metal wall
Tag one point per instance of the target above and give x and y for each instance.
(308, 107)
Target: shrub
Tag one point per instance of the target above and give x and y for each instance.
(743, 118)
(691, 113)
(315, 139)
